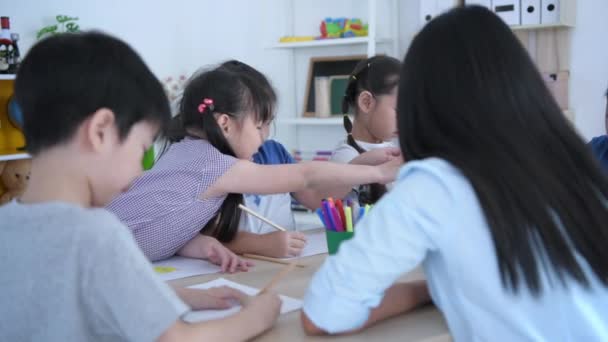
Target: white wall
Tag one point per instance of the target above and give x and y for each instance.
(589, 63)
(183, 35)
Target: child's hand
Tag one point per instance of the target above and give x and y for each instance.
(266, 307)
(284, 244)
(230, 262)
(377, 156)
(207, 247)
(389, 170)
(223, 297)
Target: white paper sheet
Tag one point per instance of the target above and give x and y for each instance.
(289, 304)
(316, 243)
(180, 267)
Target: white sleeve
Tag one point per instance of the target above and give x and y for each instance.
(344, 154)
(392, 240)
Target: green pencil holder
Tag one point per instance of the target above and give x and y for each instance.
(334, 239)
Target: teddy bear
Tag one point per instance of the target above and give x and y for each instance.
(14, 175)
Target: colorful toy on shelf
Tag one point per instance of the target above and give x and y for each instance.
(355, 28)
(342, 28)
(332, 28)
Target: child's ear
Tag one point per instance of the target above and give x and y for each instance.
(366, 102)
(224, 122)
(101, 129)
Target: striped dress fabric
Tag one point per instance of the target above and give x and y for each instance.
(163, 208)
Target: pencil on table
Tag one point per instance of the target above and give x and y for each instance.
(253, 213)
(277, 278)
(270, 259)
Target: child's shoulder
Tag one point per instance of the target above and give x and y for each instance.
(343, 153)
(436, 167)
(60, 221)
(273, 152)
(434, 177)
(190, 150)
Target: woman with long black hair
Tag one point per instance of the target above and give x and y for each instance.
(500, 202)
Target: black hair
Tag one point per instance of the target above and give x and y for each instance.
(234, 92)
(378, 75)
(470, 94)
(65, 78)
(267, 96)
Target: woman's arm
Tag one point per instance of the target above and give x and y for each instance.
(247, 177)
(398, 299)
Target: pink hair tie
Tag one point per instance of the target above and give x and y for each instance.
(207, 103)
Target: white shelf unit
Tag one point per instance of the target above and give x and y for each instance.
(330, 42)
(554, 37)
(331, 127)
(541, 27)
(557, 34)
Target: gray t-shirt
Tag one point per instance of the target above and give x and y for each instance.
(75, 274)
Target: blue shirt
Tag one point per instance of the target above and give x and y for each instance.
(599, 145)
(270, 153)
(276, 207)
(433, 217)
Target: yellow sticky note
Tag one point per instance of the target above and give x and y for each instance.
(164, 269)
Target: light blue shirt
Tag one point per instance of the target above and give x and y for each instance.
(432, 217)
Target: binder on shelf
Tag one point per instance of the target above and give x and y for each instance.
(530, 12)
(550, 11)
(322, 104)
(508, 11)
(429, 9)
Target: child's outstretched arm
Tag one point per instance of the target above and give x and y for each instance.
(311, 198)
(258, 315)
(248, 177)
(398, 299)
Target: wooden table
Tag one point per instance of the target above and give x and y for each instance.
(425, 324)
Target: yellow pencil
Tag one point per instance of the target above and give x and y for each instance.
(253, 213)
(270, 259)
(278, 277)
